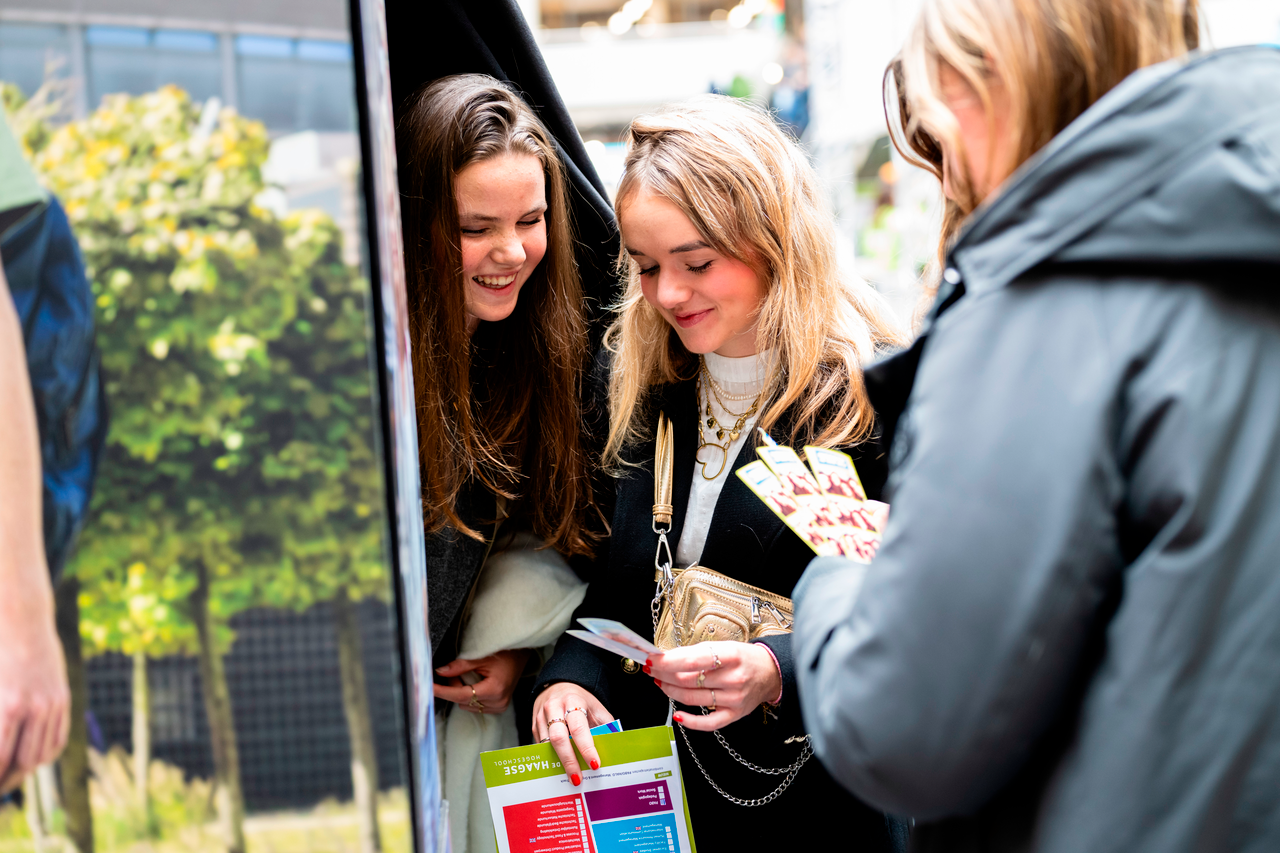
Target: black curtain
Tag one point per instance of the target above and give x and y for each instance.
(429, 39)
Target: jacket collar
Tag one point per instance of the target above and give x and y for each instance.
(1156, 130)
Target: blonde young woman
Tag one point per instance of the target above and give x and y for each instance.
(734, 320)
(1069, 639)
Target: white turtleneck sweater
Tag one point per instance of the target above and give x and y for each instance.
(736, 377)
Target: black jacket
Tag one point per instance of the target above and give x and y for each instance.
(455, 561)
(1070, 639)
(746, 541)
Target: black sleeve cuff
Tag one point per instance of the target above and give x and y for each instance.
(788, 709)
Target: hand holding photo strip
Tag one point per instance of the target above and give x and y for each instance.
(826, 507)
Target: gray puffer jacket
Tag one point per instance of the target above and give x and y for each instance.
(1070, 640)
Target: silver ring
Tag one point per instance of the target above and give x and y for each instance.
(715, 661)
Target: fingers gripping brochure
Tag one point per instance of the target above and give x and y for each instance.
(634, 803)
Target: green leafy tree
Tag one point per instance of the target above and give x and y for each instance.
(239, 469)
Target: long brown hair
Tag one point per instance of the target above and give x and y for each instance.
(500, 407)
(753, 196)
(1054, 58)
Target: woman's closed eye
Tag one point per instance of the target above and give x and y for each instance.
(698, 270)
(523, 223)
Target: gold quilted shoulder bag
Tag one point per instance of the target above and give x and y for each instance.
(697, 604)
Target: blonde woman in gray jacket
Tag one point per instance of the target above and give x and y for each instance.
(1070, 639)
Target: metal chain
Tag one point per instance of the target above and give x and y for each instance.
(663, 591)
(769, 771)
(758, 801)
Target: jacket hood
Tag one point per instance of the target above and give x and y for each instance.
(1179, 163)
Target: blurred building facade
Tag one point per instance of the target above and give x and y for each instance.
(613, 60)
(286, 63)
(228, 50)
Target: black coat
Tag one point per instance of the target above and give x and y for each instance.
(750, 543)
(455, 561)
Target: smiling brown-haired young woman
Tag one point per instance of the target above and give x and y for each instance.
(499, 338)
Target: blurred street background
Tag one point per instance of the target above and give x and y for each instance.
(816, 63)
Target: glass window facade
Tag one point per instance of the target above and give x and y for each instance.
(288, 84)
(134, 60)
(293, 84)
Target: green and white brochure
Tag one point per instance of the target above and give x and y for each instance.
(634, 803)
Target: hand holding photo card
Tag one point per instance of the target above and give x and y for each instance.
(826, 507)
(839, 479)
(879, 513)
(861, 522)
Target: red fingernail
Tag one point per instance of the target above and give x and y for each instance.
(648, 662)
(679, 718)
(577, 778)
(646, 669)
(595, 765)
(657, 682)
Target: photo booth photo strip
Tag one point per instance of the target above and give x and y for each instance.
(824, 503)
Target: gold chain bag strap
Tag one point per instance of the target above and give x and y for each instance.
(697, 604)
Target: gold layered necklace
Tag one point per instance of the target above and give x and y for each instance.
(724, 435)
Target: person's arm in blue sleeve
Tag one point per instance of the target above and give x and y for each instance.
(927, 677)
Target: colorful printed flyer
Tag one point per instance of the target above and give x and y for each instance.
(633, 804)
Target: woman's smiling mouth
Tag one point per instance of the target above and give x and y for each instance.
(494, 282)
(687, 320)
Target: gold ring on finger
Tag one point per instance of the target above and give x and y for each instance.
(712, 706)
(553, 721)
(715, 661)
(702, 676)
(475, 701)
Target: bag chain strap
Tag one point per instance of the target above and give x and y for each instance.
(662, 561)
(759, 801)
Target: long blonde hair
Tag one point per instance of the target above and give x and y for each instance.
(1054, 58)
(752, 195)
